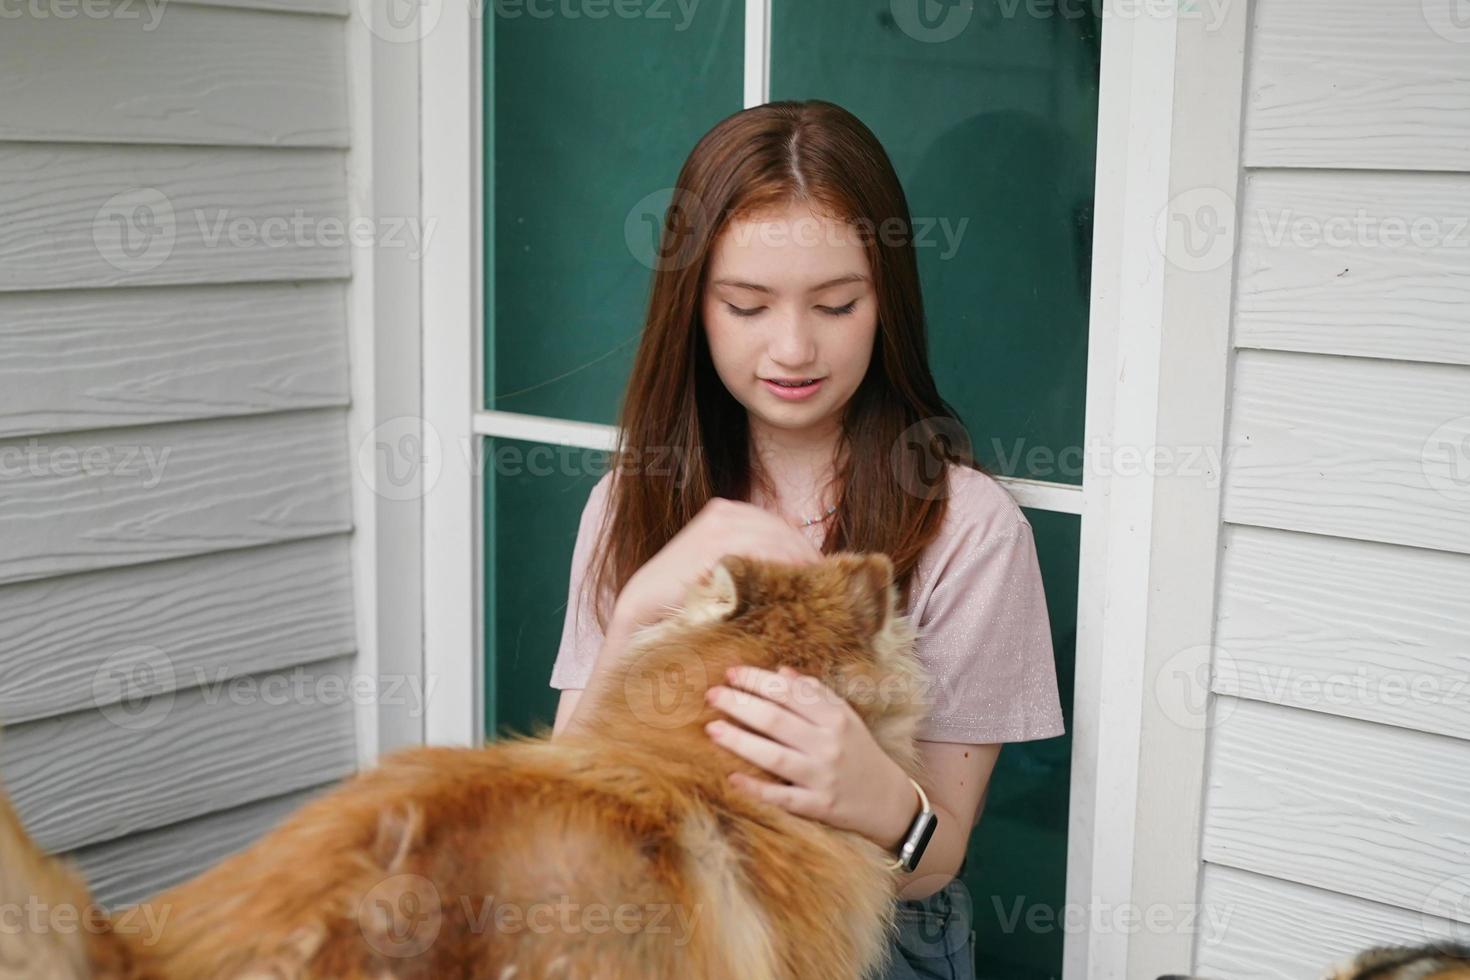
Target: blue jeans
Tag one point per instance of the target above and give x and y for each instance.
(936, 937)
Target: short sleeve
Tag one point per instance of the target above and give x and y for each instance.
(581, 638)
(985, 638)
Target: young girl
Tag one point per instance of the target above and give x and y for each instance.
(783, 367)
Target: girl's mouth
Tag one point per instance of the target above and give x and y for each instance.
(792, 392)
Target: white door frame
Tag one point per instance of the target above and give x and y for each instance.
(1158, 358)
(1169, 99)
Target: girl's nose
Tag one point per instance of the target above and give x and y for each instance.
(792, 345)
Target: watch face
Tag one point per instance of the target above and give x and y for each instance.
(918, 840)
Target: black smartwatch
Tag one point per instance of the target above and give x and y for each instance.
(911, 848)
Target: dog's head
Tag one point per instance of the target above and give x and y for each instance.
(836, 619)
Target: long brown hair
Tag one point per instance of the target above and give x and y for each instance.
(676, 409)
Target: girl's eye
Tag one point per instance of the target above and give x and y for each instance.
(743, 312)
(838, 310)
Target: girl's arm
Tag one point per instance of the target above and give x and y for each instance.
(614, 645)
(956, 774)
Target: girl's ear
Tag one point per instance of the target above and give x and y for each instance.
(717, 594)
(869, 580)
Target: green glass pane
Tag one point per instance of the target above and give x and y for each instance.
(1017, 865)
(588, 120)
(534, 494)
(989, 113)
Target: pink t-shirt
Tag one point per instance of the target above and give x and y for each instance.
(977, 603)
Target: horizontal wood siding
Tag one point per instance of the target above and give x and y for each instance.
(202, 619)
(198, 353)
(84, 216)
(1255, 927)
(1338, 765)
(1354, 447)
(93, 500)
(1363, 263)
(1378, 84)
(175, 250)
(101, 774)
(1357, 808)
(1347, 627)
(175, 74)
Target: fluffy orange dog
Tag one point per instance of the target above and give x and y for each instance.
(618, 852)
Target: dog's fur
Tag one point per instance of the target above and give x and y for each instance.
(433, 863)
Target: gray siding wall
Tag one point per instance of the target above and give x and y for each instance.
(176, 611)
(1337, 807)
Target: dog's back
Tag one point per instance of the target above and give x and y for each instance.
(619, 852)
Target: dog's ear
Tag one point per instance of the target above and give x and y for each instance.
(719, 592)
(869, 582)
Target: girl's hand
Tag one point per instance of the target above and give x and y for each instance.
(803, 732)
(721, 527)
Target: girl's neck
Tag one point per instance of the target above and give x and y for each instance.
(801, 474)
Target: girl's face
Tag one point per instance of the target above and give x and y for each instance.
(789, 297)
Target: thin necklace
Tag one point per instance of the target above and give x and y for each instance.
(812, 520)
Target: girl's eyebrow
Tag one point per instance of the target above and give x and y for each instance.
(742, 284)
